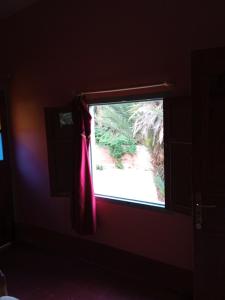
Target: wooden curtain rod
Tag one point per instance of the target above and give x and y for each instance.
(164, 84)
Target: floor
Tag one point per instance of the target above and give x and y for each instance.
(39, 275)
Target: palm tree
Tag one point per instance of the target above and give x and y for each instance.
(115, 118)
(148, 129)
(148, 121)
(113, 128)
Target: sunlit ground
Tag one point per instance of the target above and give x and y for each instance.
(129, 184)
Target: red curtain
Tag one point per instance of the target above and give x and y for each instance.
(83, 199)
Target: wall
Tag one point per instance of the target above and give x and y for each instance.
(58, 48)
(3, 53)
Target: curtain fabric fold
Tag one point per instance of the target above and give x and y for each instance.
(83, 199)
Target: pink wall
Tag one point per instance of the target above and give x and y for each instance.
(3, 53)
(57, 48)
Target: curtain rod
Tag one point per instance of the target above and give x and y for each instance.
(163, 84)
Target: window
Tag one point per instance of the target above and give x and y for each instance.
(127, 151)
(119, 155)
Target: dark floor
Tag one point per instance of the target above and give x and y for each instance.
(36, 275)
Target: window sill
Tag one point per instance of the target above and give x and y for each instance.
(133, 203)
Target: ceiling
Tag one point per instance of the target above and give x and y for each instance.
(9, 7)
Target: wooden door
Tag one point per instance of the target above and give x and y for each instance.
(208, 87)
(6, 207)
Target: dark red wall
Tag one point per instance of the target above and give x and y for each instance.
(58, 48)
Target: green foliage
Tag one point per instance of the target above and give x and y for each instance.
(115, 118)
(121, 126)
(119, 164)
(99, 167)
(148, 121)
(118, 144)
(148, 129)
(113, 129)
(102, 137)
(159, 182)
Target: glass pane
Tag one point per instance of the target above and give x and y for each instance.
(128, 151)
(1, 147)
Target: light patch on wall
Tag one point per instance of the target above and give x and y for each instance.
(1, 148)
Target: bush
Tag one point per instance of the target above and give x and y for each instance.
(99, 167)
(118, 144)
(119, 164)
(160, 187)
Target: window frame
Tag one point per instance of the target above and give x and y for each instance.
(175, 133)
(140, 98)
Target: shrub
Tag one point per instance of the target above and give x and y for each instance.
(159, 183)
(119, 164)
(118, 144)
(99, 167)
